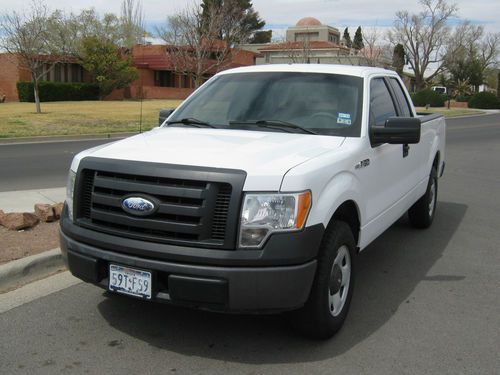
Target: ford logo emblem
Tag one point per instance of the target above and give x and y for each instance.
(139, 206)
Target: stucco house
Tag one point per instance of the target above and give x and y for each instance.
(310, 41)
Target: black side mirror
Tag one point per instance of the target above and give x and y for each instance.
(397, 130)
(164, 113)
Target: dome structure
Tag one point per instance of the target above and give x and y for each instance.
(308, 21)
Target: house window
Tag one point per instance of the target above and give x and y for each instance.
(311, 36)
(76, 73)
(164, 78)
(57, 73)
(186, 81)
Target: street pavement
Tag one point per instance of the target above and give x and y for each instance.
(425, 302)
(29, 165)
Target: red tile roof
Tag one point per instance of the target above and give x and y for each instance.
(300, 45)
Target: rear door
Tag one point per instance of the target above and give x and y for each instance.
(418, 154)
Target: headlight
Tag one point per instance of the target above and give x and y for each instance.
(264, 214)
(70, 188)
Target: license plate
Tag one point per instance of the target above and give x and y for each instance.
(130, 281)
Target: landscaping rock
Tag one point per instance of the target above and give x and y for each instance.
(2, 214)
(45, 212)
(18, 221)
(58, 208)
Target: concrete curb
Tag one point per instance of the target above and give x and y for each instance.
(25, 270)
(473, 115)
(65, 138)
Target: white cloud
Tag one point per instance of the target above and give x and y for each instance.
(337, 13)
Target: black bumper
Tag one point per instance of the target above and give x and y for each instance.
(222, 280)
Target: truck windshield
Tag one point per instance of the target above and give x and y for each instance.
(327, 104)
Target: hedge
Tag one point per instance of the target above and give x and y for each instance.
(57, 91)
(463, 98)
(484, 100)
(427, 96)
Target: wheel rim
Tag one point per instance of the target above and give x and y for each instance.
(340, 279)
(432, 200)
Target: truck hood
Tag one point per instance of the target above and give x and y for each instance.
(264, 156)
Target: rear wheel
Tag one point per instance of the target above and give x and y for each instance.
(327, 306)
(422, 213)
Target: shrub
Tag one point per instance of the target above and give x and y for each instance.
(58, 91)
(427, 96)
(484, 100)
(462, 98)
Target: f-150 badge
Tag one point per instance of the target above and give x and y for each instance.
(362, 164)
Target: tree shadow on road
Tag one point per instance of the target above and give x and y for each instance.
(387, 273)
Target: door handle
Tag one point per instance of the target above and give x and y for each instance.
(406, 150)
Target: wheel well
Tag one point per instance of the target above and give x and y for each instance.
(435, 163)
(348, 212)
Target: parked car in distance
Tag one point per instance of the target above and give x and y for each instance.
(440, 89)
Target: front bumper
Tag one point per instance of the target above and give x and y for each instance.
(224, 282)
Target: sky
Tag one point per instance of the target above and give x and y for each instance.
(279, 14)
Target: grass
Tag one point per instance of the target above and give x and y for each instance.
(75, 118)
(452, 112)
(105, 117)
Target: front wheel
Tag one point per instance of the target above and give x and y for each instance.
(422, 213)
(326, 309)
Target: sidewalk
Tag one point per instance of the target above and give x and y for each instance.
(24, 200)
(25, 270)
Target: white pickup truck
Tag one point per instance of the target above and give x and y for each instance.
(256, 193)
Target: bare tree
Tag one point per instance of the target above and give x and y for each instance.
(132, 23)
(471, 52)
(193, 41)
(297, 52)
(489, 50)
(374, 51)
(424, 36)
(26, 36)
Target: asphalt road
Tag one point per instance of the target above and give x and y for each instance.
(29, 166)
(425, 302)
(26, 166)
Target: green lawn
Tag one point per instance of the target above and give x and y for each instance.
(453, 112)
(104, 117)
(74, 118)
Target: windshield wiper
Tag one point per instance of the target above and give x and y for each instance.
(277, 124)
(192, 122)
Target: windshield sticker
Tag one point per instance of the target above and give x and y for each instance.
(344, 118)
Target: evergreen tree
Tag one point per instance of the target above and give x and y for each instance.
(398, 58)
(262, 36)
(358, 39)
(101, 58)
(498, 84)
(238, 14)
(347, 38)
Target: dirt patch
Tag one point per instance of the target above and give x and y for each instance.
(20, 244)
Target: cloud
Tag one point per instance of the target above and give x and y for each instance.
(280, 14)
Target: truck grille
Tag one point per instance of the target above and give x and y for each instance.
(191, 211)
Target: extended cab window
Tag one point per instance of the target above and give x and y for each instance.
(327, 104)
(381, 104)
(403, 102)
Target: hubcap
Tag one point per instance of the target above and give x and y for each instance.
(340, 278)
(432, 200)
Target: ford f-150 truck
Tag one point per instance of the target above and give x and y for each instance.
(256, 193)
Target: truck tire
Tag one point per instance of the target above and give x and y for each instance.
(326, 309)
(422, 212)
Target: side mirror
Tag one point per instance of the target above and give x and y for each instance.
(164, 113)
(397, 130)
